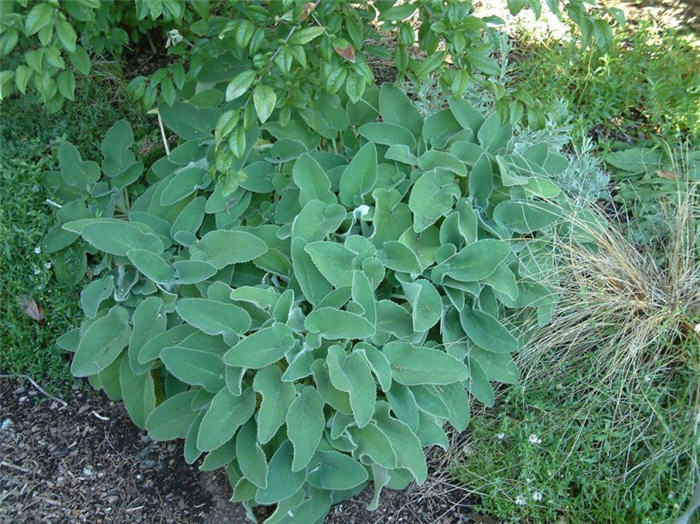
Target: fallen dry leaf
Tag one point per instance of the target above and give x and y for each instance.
(307, 10)
(667, 174)
(348, 53)
(30, 307)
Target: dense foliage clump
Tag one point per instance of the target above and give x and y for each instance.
(312, 321)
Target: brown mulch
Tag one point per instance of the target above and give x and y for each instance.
(86, 462)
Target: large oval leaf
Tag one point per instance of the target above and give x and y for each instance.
(334, 323)
(305, 423)
(486, 331)
(222, 247)
(525, 216)
(261, 348)
(213, 317)
(117, 237)
(225, 415)
(101, 343)
(172, 418)
(477, 260)
(412, 365)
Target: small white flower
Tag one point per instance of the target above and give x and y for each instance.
(537, 496)
(520, 500)
(697, 328)
(48, 265)
(37, 271)
(174, 37)
(37, 250)
(501, 436)
(362, 210)
(534, 439)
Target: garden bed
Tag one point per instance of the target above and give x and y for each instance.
(87, 462)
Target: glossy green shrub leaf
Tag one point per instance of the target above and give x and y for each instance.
(264, 99)
(239, 85)
(39, 17)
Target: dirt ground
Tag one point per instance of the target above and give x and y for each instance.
(86, 462)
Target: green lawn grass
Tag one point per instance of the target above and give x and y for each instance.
(645, 88)
(29, 138)
(570, 447)
(542, 455)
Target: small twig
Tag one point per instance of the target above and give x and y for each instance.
(96, 414)
(48, 500)
(37, 386)
(52, 203)
(15, 466)
(162, 134)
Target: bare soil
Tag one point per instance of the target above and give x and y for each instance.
(86, 462)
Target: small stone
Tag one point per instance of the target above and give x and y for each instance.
(6, 424)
